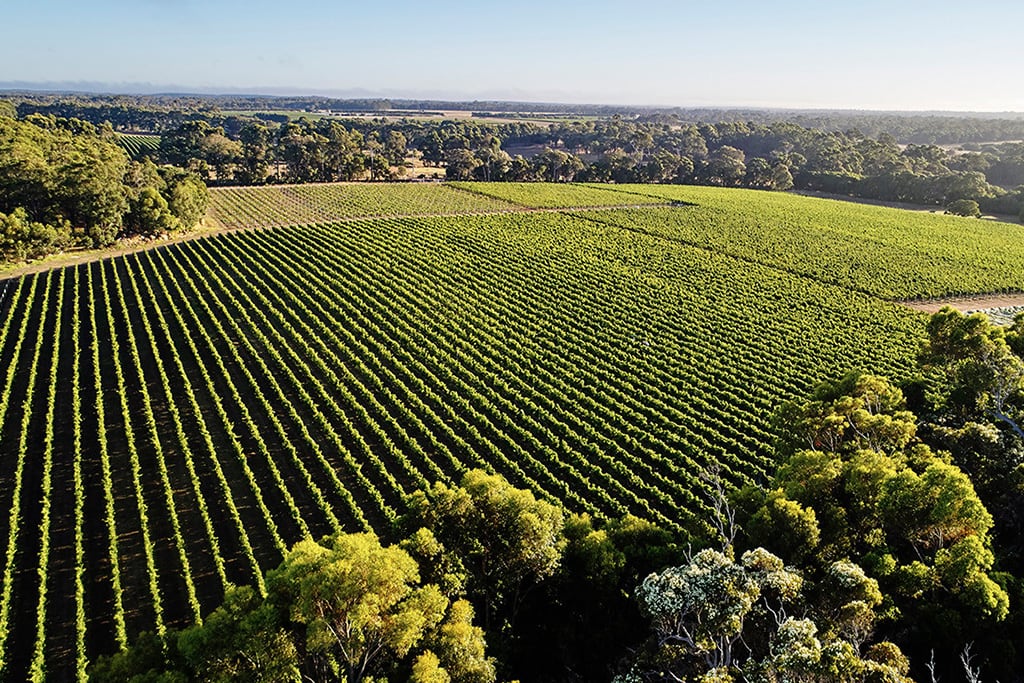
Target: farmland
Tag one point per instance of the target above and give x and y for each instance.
(172, 420)
(138, 146)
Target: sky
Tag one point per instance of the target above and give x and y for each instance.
(840, 54)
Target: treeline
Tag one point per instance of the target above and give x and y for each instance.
(65, 182)
(779, 156)
(885, 547)
(802, 153)
(906, 127)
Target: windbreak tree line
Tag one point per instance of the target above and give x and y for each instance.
(65, 182)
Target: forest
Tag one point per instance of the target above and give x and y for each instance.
(66, 183)
(927, 159)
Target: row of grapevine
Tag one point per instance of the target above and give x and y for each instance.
(235, 394)
(558, 195)
(935, 257)
(238, 207)
(138, 145)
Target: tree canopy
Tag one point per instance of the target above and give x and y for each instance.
(64, 181)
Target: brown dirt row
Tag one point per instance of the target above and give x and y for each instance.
(970, 303)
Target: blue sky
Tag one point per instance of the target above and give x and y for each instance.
(863, 55)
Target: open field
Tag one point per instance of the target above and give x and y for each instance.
(172, 420)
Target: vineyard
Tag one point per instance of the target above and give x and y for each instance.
(246, 207)
(137, 145)
(173, 420)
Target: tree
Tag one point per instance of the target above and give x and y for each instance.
(21, 238)
(460, 164)
(348, 608)
(758, 173)
(256, 150)
(858, 484)
(89, 190)
(782, 179)
(704, 605)
(430, 148)
(726, 166)
(859, 412)
(715, 619)
(360, 603)
(971, 368)
(964, 207)
(558, 166)
(244, 639)
(222, 153)
(494, 161)
(184, 143)
(583, 619)
(506, 539)
(149, 213)
(343, 156)
(395, 148)
(187, 196)
(461, 647)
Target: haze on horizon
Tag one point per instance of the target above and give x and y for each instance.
(911, 55)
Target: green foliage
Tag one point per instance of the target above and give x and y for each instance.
(147, 661)
(21, 238)
(187, 196)
(705, 604)
(244, 639)
(561, 195)
(149, 213)
(539, 344)
(67, 175)
(851, 245)
(461, 647)
(504, 536)
(269, 206)
(351, 610)
(971, 368)
(427, 669)
(714, 619)
(964, 207)
(359, 602)
(882, 498)
(787, 526)
(860, 412)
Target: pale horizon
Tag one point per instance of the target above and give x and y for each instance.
(917, 57)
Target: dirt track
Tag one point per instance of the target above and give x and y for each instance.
(972, 303)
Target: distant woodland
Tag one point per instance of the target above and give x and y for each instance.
(969, 164)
